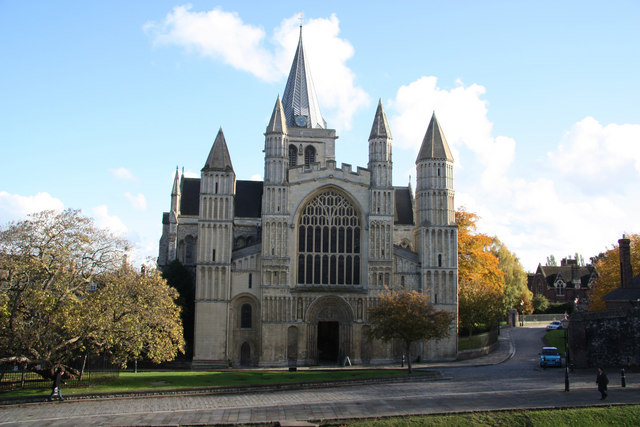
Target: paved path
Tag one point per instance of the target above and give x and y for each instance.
(506, 381)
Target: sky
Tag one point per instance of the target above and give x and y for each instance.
(101, 101)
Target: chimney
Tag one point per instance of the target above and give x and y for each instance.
(626, 272)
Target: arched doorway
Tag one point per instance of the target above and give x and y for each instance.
(245, 354)
(329, 320)
(328, 342)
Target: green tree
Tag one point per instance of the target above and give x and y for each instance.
(481, 281)
(551, 261)
(516, 293)
(49, 264)
(133, 315)
(540, 303)
(407, 316)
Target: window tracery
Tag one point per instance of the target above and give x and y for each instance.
(329, 241)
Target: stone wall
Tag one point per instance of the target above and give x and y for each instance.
(607, 338)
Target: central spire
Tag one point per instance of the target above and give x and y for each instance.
(299, 100)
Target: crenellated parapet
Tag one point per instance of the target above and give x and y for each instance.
(316, 172)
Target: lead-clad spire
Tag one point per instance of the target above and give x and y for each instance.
(299, 100)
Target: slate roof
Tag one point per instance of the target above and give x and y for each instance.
(434, 145)
(190, 197)
(299, 98)
(248, 200)
(567, 273)
(403, 212)
(631, 294)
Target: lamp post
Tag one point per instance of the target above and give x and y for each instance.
(565, 326)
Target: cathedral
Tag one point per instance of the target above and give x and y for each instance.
(287, 268)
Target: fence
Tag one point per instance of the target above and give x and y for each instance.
(541, 317)
(96, 371)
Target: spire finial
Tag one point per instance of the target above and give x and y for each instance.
(300, 18)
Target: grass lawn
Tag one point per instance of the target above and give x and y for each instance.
(555, 338)
(600, 416)
(128, 381)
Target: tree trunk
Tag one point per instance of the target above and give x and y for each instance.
(408, 353)
(84, 363)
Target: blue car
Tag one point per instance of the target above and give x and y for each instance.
(550, 356)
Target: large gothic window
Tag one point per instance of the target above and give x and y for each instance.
(329, 241)
(309, 156)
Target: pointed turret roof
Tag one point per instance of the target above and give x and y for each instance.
(434, 144)
(380, 128)
(219, 158)
(278, 122)
(176, 183)
(299, 98)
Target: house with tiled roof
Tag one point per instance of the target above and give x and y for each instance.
(568, 282)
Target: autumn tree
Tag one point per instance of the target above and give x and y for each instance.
(481, 282)
(409, 317)
(516, 293)
(49, 265)
(608, 268)
(182, 280)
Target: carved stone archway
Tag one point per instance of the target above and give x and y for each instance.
(335, 317)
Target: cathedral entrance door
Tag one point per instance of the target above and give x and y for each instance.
(328, 342)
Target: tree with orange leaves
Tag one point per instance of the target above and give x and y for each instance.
(608, 268)
(481, 281)
(409, 317)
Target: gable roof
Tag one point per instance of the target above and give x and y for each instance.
(568, 273)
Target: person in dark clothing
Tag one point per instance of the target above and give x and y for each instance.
(602, 382)
(57, 382)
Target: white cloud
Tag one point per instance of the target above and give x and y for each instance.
(14, 207)
(218, 34)
(122, 173)
(138, 201)
(223, 36)
(109, 222)
(256, 177)
(586, 193)
(591, 154)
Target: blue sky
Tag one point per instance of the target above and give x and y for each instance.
(100, 101)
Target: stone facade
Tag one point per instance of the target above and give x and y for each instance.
(287, 268)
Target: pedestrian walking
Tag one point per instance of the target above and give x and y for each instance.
(57, 382)
(602, 382)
